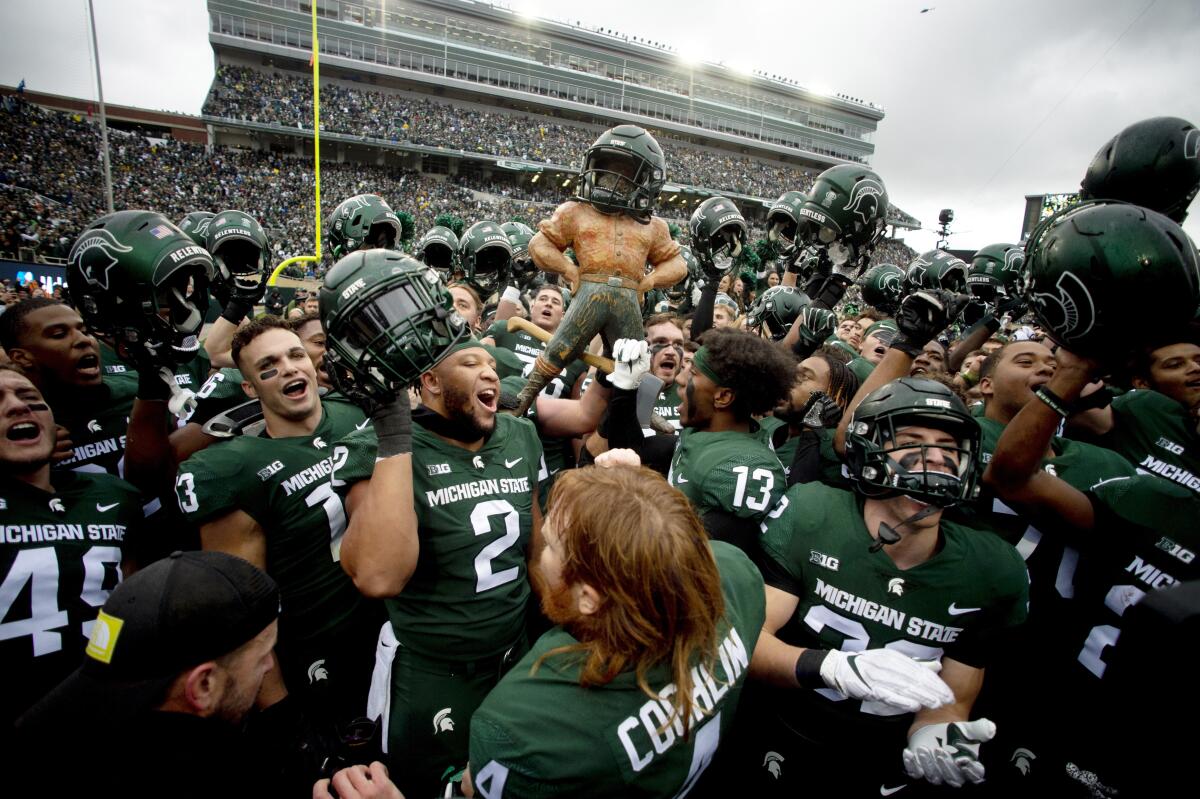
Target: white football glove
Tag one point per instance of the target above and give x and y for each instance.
(885, 675)
(948, 753)
(632, 359)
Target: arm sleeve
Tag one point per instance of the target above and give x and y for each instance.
(739, 531)
(621, 428)
(702, 322)
(559, 229)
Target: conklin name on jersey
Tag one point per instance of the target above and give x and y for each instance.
(956, 603)
(284, 485)
(542, 732)
(466, 599)
(61, 555)
(731, 472)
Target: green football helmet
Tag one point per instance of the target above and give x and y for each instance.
(719, 232)
(362, 220)
(848, 204)
(486, 255)
(880, 468)
(195, 225)
(994, 271)
(936, 269)
(695, 274)
(438, 248)
(137, 277)
(388, 319)
(240, 251)
(519, 235)
(623, 172)
(882, 287)
(776, 309)
(1154, 163)
(1087, 266)
(783, 217)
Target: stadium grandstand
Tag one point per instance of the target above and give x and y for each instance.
(440, 106)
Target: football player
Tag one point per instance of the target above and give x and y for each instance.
(68, 536)
(267, 498)
(719, 460)
(823, 389)
(442, 504)
(1079, 276)
(875, 341)
(636, 688)
(665, 337)
(880, 575)
(1133, 535)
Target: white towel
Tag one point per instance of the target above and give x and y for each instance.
(379, 698)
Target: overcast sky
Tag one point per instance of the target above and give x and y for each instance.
(987, 100)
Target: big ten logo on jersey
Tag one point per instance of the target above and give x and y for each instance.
(821, 559)
(270, 469)
(1170, 446)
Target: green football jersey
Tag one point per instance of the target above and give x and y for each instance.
(1156, 434)
(667, 405)
(541, 734)
(527, 349)
(61, 558)
(773, 432)
(97, 420)
(466, 599)
(557, 453)
(222, 391)
(959, 603)
(732, 472)
(284, 485)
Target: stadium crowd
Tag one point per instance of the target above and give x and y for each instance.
(578, 509)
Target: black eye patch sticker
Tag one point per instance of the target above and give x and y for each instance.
(268, 374)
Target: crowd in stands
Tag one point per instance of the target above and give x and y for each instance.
(51, 185)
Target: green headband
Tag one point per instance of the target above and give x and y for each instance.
(882, 324)
(701, 364)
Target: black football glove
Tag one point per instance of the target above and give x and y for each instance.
(922, 316)
(821, 411)
(816, 325)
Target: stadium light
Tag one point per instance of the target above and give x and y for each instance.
(566, 183)
(689, 55)
(535, 177)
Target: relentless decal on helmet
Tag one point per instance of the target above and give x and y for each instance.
(94, 254)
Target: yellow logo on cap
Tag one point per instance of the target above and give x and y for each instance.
(104, 637)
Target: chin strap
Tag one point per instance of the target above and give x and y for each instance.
(891, 535)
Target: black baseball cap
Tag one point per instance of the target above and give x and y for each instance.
(179, 612)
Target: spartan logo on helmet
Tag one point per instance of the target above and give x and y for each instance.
(95, 254)
(1191, 144)
(200, 229)
(1022, 760)
(1070, 312)
(1014, 259)
(890, 282)
(864, 200)
(771, 763)
(442, 721)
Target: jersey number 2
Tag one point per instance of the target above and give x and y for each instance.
(481, 523)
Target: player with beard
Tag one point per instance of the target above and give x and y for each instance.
(68, 537)
(636, 688)
(719, 460)
(267, 498)
(823, 389)
(1133, 536)
(52, 346)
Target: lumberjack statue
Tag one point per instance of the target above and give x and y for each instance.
(615, 236)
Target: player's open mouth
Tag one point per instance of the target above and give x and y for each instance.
(487, 398)
(880, 350)
(296, 389)
(668, 363)
(88, 365)
(919, 370)
(24, 431)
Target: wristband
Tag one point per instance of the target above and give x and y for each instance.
(1056, 403)
(512, 294)
(808, 668)
(152, 386)
(602, 379)
(393, 426)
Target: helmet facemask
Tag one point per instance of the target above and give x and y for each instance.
(490, 268)
(171, 318)
(885, 469)
(616, 180)
(239, 269)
